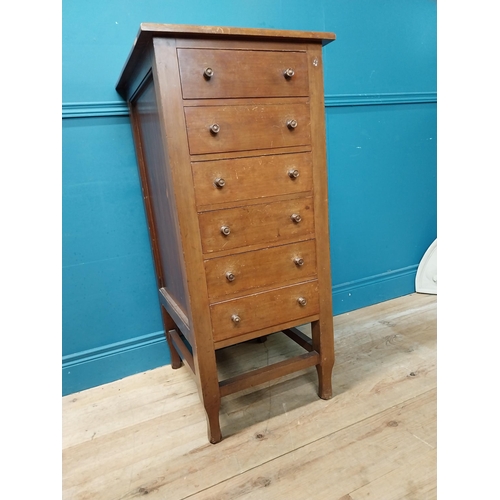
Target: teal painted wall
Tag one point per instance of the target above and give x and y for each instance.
(380, 95)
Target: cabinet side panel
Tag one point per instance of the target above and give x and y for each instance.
(163, 227)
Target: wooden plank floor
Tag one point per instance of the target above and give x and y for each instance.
(376, 439)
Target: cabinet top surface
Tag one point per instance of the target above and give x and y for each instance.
(175, 30)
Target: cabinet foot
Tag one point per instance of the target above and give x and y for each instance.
(213, 425)
(175, 359)
(325, 390)
(168, 324)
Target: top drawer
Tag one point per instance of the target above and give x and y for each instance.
(217, 73)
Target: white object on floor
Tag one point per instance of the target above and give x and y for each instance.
(426, 279)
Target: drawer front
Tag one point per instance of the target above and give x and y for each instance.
(255, 312)
(243, 272)
(251, 178)
(216, 129)
(212, 73)
(269, 223)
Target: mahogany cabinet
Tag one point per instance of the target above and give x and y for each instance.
(229, 131)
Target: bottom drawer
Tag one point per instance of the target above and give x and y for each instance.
(261, 310)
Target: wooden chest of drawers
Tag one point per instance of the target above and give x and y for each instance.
(229, 130)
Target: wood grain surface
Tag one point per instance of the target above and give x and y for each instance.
(251, 178)
(239, 73)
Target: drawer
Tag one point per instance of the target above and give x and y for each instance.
(233, 318)
(212, 73)
(243, 272)
(267, 223)
(239, 179)
(215, 129)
